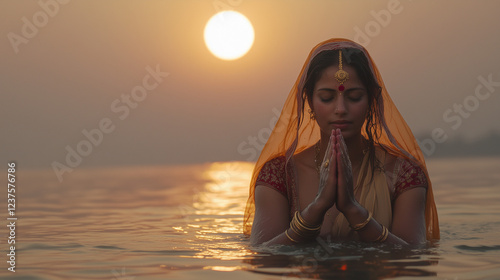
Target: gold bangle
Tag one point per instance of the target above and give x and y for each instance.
(291, 239)
(301, 230)
(383, 236)
(360, 226)
(304, 224)
(295, 226)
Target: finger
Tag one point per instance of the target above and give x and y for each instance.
(328, 151)
(340, 173)
(340, 164)
(333, 137)
(343, 149)
(324, 173)
(340, 140)
(333, 160)
(328, 159)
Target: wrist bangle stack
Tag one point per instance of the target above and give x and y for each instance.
(360, 226)
(301, 228)
(383, 236)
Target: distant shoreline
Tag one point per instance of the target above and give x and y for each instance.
(487, 146)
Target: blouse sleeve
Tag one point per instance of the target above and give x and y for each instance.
(409, 176)
(272, 175)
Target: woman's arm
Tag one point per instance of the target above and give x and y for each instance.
(272, 217)
(408, 215)
(408, 219)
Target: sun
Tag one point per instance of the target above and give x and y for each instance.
(229, 35)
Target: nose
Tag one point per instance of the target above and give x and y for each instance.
(340, 106)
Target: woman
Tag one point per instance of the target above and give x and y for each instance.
(372, 184)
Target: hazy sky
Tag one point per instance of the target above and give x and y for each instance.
(69, 73)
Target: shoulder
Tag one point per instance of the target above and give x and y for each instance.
(407, 175)
(274, 164)
(273, 174)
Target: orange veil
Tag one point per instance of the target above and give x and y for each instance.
(296, 131)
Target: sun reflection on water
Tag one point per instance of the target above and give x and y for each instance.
(216, 215)
(225, 192)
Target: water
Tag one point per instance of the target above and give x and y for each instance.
(184, 222)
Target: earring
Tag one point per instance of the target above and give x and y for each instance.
(312, 115)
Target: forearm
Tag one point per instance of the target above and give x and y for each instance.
(373, 229)
(313, 214)
(280, 239)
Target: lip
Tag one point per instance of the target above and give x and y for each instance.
(341, 124)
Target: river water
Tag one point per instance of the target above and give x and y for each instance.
(184, 222)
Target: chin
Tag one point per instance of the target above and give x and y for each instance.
(349, 134)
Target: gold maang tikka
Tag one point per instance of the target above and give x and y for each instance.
(341, 76)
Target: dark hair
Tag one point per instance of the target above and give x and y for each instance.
(352, 57)
(357, 60)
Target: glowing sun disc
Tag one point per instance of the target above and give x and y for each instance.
(229, 35)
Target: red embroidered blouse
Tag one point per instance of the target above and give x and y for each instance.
(408, 176)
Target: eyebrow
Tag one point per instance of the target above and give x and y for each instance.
(346, 91)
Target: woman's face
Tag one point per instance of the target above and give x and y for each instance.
(345, 110)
